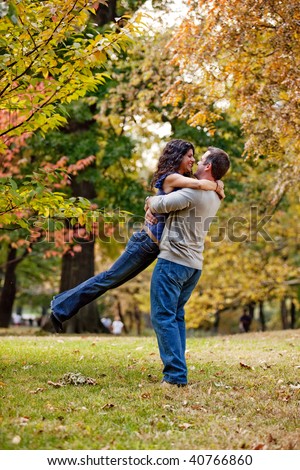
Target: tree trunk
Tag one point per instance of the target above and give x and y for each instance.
(293, 314)
(216, 322)
(76, 268)
(120, 313)
(138, 320)
(284, 314)
(129, 315)
(9, 289)
(262, 316)
(80, 267)
(105, 14)
(251, 307)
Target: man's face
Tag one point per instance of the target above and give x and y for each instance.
(202, 166)
(187, 162)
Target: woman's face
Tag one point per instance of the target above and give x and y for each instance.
(187, 162)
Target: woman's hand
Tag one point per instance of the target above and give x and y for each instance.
(150, 218)
(146, 205)
(220, 189)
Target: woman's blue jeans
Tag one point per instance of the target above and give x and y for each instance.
(171, 287)
(139, 253)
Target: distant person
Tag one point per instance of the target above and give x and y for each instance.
(16, 319)
(245, 322)
(174, 171)
(117, 326)
(107, 324)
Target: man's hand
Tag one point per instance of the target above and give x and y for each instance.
(150, 218)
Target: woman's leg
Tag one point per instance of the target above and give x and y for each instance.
(139, 253)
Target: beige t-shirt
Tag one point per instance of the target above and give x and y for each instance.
(191, 212)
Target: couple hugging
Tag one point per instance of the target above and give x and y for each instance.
(177, 220)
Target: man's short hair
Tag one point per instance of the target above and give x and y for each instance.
(219, 160)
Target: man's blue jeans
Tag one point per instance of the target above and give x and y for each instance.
(139, 253)
(171, 287)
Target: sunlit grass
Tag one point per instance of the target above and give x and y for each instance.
(244, 393)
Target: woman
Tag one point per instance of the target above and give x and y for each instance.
(173, 172)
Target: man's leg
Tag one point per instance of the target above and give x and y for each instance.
(186, 293)
(168, 281)
(139, 253)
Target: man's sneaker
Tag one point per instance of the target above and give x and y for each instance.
(166, 384)
(57, 325)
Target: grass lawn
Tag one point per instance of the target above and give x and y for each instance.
(244, 393)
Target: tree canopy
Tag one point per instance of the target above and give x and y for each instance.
(242, 56)
(227, 77)
(50, 55)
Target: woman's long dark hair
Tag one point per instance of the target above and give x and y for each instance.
(171, 158)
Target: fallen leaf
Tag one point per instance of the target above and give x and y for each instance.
(295, 386)
(246, 366)
(199, 407)
(265, 366)
(259, 447)
(50, 407)
(107, 406)
(36, 391)
(55, 384)
(145, 396)
(184, 426)
(61, 428)
(24, 419)
(153, 378)
(271, 438)
(168, 407)
(16, 440)
(221, 384)
(72, 378)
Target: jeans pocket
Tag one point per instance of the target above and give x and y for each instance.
(144, 243)
(178, 272)
(149, 247)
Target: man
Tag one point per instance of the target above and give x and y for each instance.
(179, 264)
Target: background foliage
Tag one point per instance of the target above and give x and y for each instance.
(89, 97)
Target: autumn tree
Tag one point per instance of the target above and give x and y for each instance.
(243, 56)
(50, 58)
